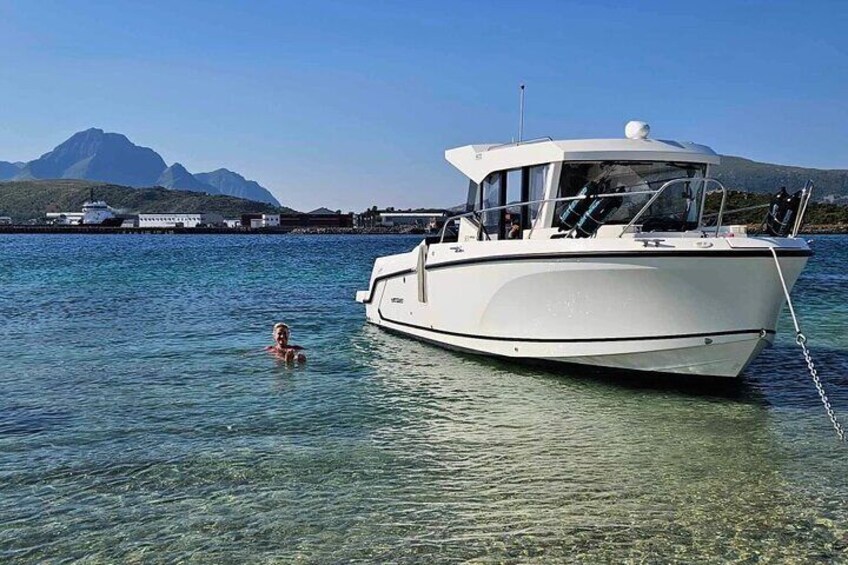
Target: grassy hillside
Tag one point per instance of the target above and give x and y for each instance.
(818, 214)
(750, 176)
(24, 200)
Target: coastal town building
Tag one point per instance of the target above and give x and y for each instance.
(265, 221)
(5, 221)
(428, 219)
(318, 219)
(64, 218)
(180, 220)
(298, 220)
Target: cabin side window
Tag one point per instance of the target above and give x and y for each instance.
(472, 202)
(676, 209)
(492, 188)
(537, 180)
(517, 194)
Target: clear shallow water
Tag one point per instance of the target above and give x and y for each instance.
(139, 421)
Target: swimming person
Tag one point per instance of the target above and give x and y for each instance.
(284, 350)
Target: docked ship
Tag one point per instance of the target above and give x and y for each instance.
(98, 213)
(94, 213)
(596, 252)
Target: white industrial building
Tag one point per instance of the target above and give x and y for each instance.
(65, 218)
(180, 220)
(420, 219)
(266, 221)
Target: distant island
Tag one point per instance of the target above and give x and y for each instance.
(111, 158)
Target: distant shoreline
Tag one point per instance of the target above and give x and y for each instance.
(101, 230)
(836, 229)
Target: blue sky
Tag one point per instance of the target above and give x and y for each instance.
(348, 104)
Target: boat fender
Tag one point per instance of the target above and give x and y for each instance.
(794, 206)
(421, 272)
(783, 209)
(776, 211)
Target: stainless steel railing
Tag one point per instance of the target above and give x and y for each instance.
(478, 213)
(523, 142)
(659, 191)
(806, 194)
(654, 195)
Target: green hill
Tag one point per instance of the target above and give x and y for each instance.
(32, 199)
(751, 176)
(818, 213)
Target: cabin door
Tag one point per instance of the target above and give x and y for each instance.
(513, 220)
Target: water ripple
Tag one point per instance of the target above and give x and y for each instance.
(141, 421)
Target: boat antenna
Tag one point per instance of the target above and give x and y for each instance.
(521, 112)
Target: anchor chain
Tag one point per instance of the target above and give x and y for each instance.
(801, 340)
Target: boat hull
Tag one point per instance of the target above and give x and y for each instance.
(684, 310)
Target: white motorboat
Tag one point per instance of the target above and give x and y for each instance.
(595, 252)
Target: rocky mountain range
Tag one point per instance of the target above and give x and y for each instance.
(177, 177)
(112, 158)
(9, 170)
(232, 184)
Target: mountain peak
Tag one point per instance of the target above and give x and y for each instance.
(223, 171)
(178, 167)
(95, 154)
(177, 177)
(9, 170)
(233, 184)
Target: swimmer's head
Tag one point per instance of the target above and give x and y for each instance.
(281, 334)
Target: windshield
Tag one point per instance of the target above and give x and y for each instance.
(677, 208)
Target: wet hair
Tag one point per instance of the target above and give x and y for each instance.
(281, 326)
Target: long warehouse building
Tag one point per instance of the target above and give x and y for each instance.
(188, 220)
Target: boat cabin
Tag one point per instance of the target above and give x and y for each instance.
(582, 188)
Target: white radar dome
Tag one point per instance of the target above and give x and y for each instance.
(637, 130)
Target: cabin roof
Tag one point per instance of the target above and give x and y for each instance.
(478, 161)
